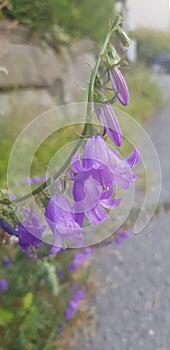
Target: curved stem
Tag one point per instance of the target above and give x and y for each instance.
(86, 126)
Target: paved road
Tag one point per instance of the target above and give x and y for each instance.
(133, 298)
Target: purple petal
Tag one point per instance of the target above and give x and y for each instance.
(75, 163)
(134, 158)
(8, 228)
(111, 203)
(91, 191)
(58, 211)
(119, 85)
(97, 215)
(111, 124)
(125, 180)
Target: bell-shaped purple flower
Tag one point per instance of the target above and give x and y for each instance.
(30, 233)
(8, 228)
(62, 220)
(93, 181)
(119, 85)
(107, 116)
(94, 178)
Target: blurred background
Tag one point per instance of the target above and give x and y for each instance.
(47, 47)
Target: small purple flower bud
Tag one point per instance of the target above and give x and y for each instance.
(3, 285)
(119, 85)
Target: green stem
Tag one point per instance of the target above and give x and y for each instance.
(85, 129)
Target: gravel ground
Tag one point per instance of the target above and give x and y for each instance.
(132, 302)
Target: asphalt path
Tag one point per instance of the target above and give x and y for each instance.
(132, 303)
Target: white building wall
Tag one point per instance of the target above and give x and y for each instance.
(153, 14)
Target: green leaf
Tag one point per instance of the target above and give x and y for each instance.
(5, 317)
(27, 300)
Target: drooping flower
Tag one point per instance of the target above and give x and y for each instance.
(101, 168)
(8, 228)
(3, 285)
(107, 116)
(30, 233)
(119, 85)
(61, 219)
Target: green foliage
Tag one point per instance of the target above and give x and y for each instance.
(34, 304)
(76, 17)
(145, 95)
(85, 18)
(151, 43)
(38, 15)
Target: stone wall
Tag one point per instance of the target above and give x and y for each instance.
(40, 77)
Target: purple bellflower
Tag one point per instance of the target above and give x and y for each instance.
(30, 233)
(8, 228)
(107, 116)
(103, 167)
(119, 85)
(62, 221)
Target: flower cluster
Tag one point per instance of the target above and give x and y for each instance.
(94, 177)
(91, 178)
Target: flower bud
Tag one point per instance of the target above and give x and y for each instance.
(125, 40)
